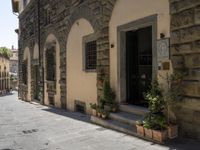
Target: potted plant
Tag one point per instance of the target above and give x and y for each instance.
(94, 109)
(154, 122)
(108, 96)
(173, 93)
(114, 107)
(104, 114)
(159, 128)
(140, 128)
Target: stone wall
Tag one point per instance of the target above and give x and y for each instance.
(62, 16)
(185, 53)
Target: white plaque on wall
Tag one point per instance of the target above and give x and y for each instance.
(163, 49)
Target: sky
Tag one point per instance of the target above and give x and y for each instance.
(8, 24)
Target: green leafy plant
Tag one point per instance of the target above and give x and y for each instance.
(139, 122)
(5, 52)
(93, 106)
(108, 93)
(155, 98)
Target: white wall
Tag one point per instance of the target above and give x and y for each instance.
(27, 56)
(81, 85)
(126, 11)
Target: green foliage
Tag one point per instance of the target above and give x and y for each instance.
(108, 93)
(155, 98)
(93, 106)
(174, 91)
(139, 122)
(5, 52)
(155, 121)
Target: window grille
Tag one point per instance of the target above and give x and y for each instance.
(91, 55)
(24, 71)
(50, 65)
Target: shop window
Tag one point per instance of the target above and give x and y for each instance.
(50, 65)
(90, 55)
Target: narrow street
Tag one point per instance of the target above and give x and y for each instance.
(26, 126)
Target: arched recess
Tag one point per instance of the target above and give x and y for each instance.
(35, 73)
(27, 72)
(131, 19)
(81, 83)
(51, 64)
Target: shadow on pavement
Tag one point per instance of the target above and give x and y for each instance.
(74, 115)
(176, 144)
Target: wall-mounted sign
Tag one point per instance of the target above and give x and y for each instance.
(163, 49)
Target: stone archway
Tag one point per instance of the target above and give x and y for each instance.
(51, 64)
(26, 69)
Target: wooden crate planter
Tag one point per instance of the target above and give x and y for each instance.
(148, 133)
(172, 131)
(160, 135)
(140, 130)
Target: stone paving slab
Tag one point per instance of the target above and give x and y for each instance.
(26, 126)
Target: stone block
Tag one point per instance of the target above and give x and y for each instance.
(190, 34)
(182, 19)
(192, 61)
(177, 61)
(191, 89)
(197, 15)
(181, 49)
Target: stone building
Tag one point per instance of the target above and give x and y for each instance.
(4, 74)
(14, 61)
(66, 46)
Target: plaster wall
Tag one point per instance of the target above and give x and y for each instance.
(126, 11)
(27, 57)
(81, 85)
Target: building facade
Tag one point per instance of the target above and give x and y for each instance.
(4, 75)
(66, 47)
(14, 61)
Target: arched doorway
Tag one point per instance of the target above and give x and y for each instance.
(51, 64)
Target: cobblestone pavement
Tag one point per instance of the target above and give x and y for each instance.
(26, 126)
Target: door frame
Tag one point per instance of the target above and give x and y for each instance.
(121, 51)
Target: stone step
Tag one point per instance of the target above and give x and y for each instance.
(137, 110)
(115, 125)
(124, 117)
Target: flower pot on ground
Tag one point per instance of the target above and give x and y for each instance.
(159, 135)
(172, 131)
(104, 114)
(148, 133)
(94, 109)
(140, 128)
(94, 112)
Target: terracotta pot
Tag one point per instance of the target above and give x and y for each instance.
(160, 135)
(94, 112)
(104, 116)
(140, 130)
(148, 133)
(99, 114)
(172, 131)
(114, 109)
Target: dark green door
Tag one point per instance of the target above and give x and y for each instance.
(138, 64)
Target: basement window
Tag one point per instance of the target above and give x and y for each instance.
(80, 106)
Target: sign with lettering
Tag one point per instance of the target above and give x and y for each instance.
(163, 49)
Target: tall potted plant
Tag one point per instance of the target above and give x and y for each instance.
(174, 93)
(155, 122)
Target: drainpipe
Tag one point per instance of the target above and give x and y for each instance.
(39, 49)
